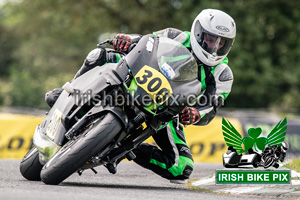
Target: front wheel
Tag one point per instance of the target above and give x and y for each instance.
(269, 162)
(30, 166)
(75, 153)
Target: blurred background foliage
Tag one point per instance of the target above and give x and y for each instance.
(43, 44)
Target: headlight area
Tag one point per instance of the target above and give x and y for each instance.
(47, 148)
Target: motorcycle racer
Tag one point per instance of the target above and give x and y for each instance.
(210, 40)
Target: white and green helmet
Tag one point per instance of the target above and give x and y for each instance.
(212, 35)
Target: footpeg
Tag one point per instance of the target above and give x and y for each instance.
(94, 170)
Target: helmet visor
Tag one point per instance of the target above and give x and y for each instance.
(211, 43)
(215, 45)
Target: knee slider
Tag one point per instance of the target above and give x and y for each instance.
(187, 171)
(179, 173)
(96, 57)
(52, 96)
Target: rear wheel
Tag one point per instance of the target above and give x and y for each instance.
(75, 153)
(30, 166)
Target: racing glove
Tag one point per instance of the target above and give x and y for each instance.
(189, 115)
(123, 42)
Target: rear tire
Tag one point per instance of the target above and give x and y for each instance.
(75, 153)
(30, 166)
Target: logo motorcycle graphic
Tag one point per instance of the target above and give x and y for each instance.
(261, 151)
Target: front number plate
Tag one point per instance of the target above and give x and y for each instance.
(54, 124)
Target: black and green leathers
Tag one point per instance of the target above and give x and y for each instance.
(173, 159)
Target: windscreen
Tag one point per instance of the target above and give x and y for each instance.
(175, 60)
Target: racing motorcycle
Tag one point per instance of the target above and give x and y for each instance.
(147, 88)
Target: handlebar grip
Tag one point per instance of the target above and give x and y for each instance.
(108, 41)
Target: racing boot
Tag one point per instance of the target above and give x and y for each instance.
(112, 167)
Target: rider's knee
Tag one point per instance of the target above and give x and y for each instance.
(52, 96)
(96, 57)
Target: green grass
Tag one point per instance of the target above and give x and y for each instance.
(293, 164)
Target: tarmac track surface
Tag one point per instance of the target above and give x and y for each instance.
(130, 182)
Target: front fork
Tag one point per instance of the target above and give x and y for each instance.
(131, 143)
(118, 150)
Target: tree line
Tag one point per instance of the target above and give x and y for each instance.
(43, 44)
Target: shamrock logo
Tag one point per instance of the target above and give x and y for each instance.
(234, 139)
(253, 139)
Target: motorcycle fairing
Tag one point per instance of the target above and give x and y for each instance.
(149, 61)
(50, 134)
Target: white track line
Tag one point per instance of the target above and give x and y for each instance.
(203, 181)
(240, 190)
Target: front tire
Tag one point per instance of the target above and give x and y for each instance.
(75, 153)
(30, 166)
(269, 162)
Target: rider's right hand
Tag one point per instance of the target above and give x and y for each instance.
(125, 43)
(122, 42)
(189, 115)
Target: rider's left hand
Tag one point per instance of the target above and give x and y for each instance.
(189, 115)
